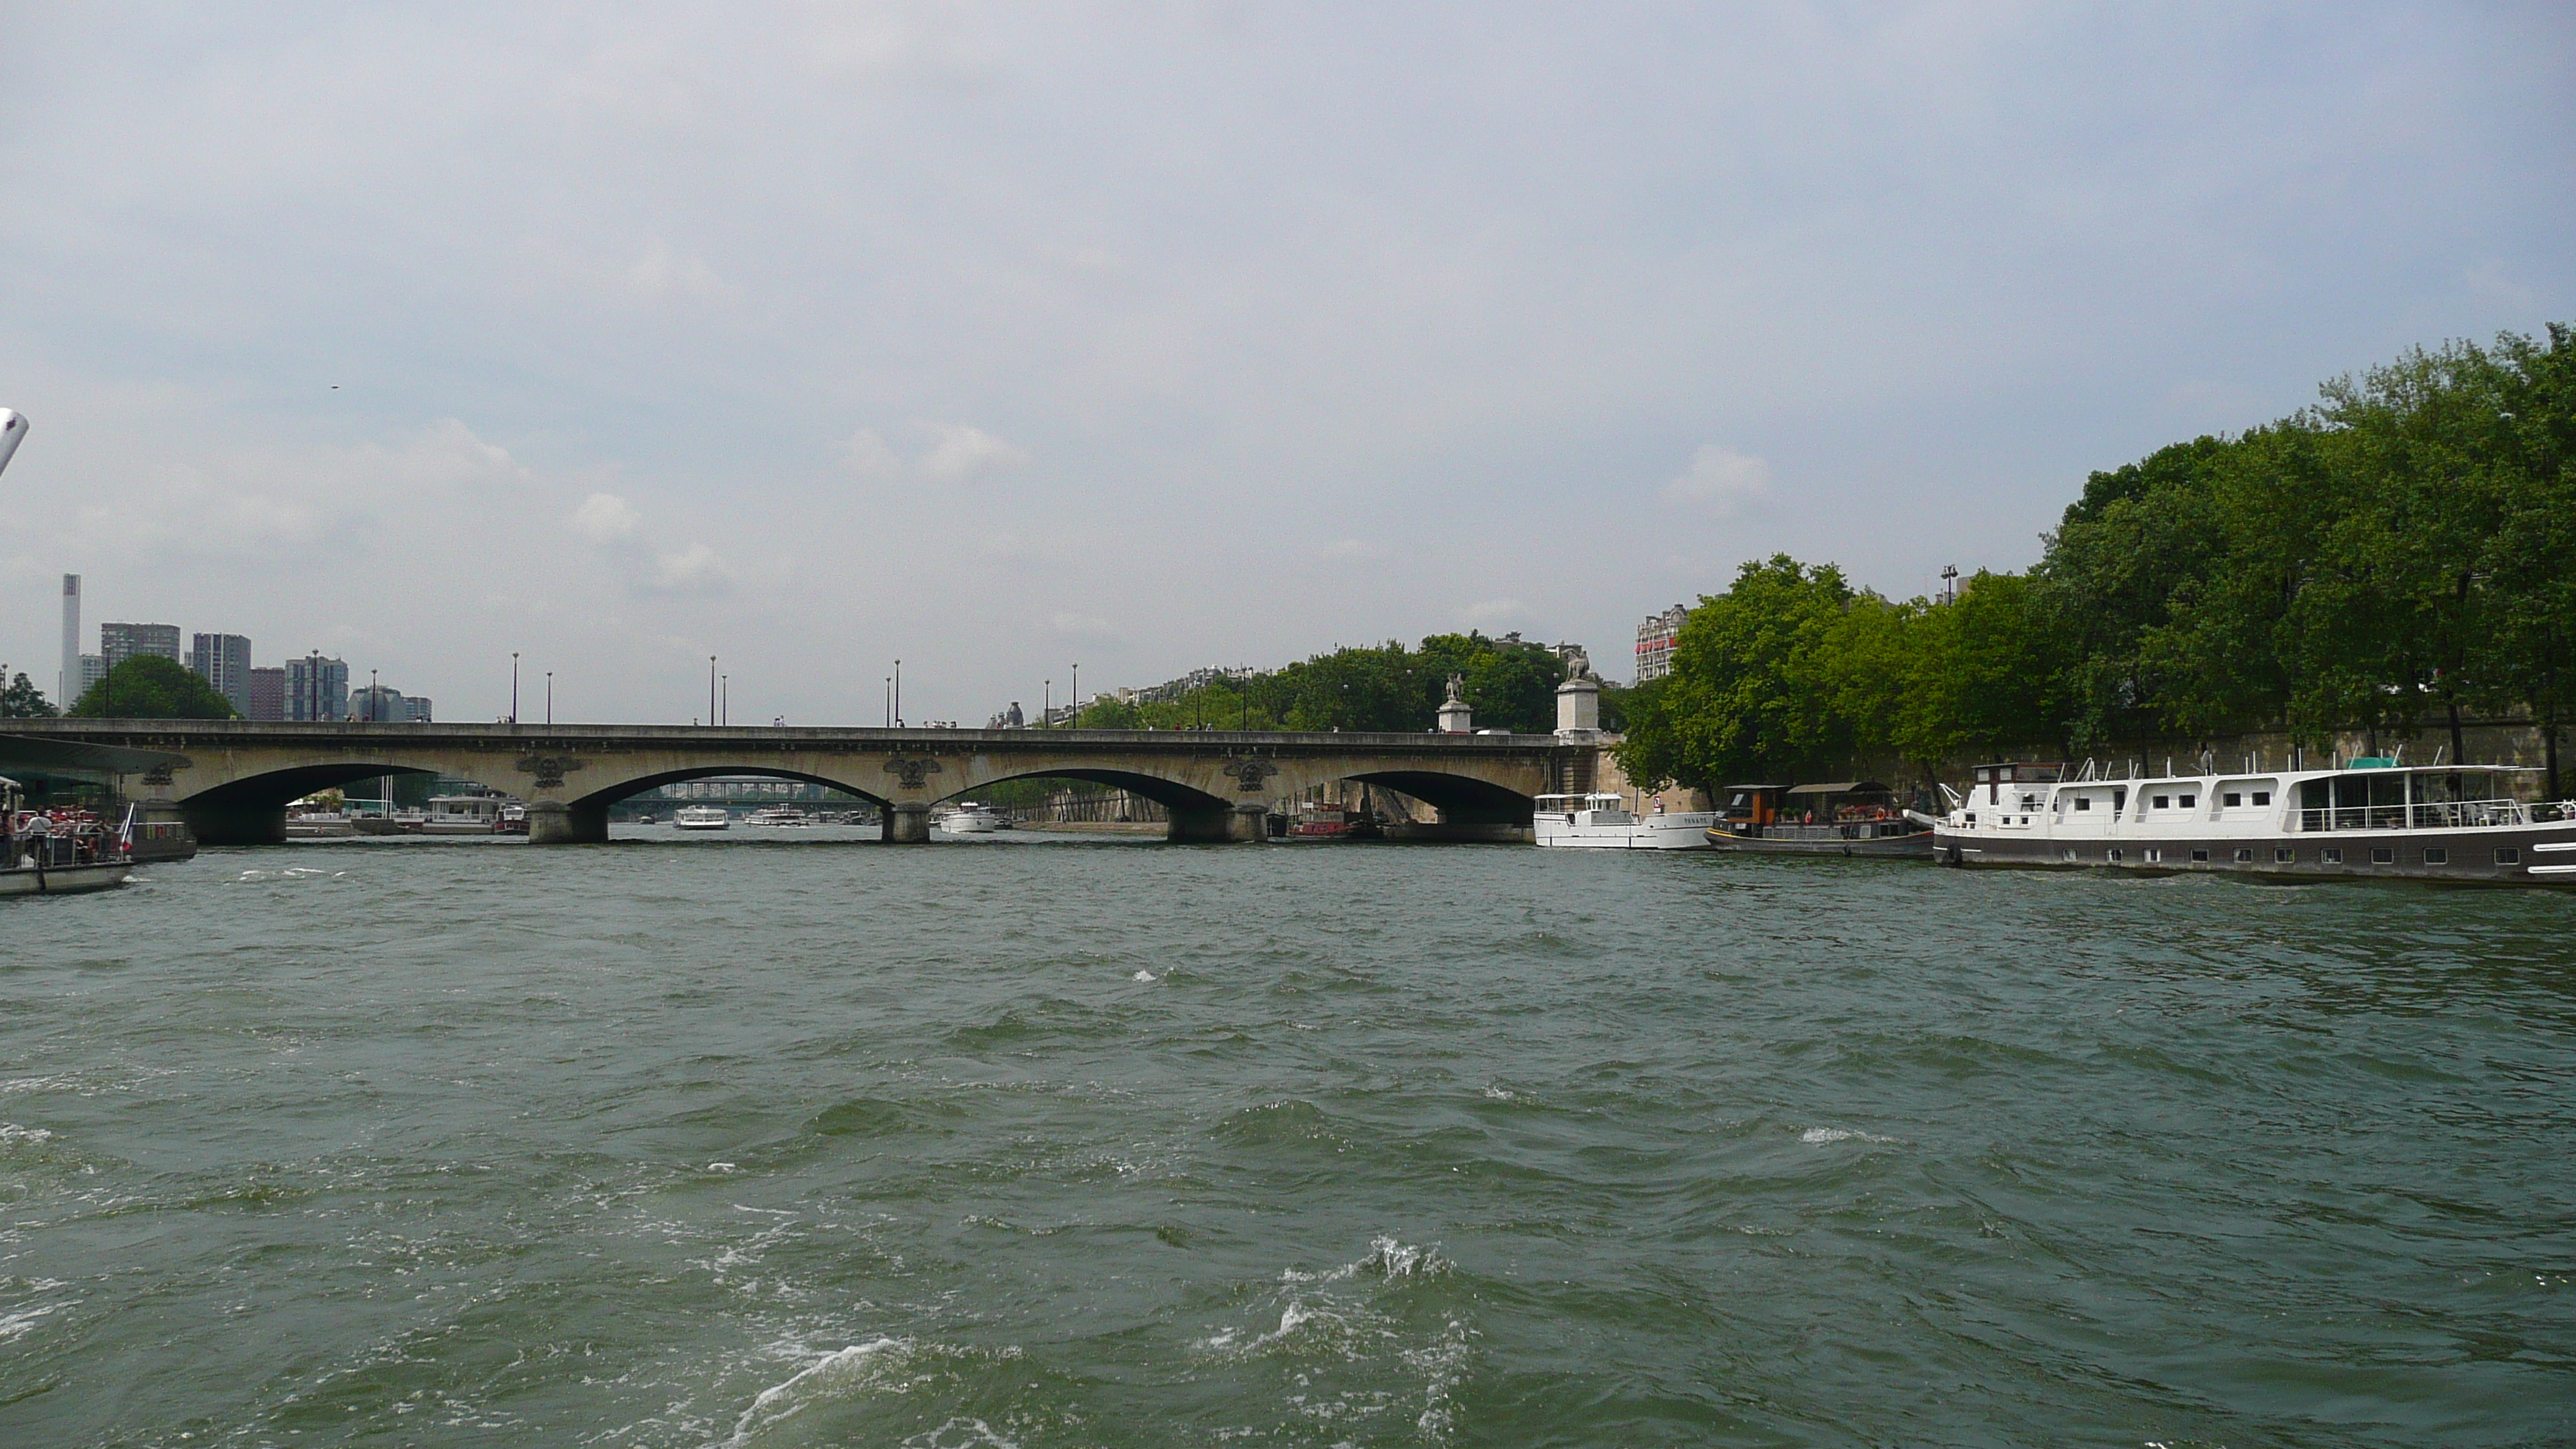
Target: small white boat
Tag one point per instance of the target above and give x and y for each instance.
(1604, 822)
(702, 817)
(75, 855)
(319, 825)
(777, 815)
(967, 817)
(458, 815)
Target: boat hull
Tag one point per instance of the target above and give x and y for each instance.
(1653, 832)
(2541, 854)
(64, 880)
(1917, 846)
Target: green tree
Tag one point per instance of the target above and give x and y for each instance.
(149, 686)
(1751, 691)
(22, 700)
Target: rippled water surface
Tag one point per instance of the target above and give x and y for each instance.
(724, 1142)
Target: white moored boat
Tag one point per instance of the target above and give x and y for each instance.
(462, 815)
(969, 818)
(2365, 818)
(702, 817)
(1604, 822)
(777, 815)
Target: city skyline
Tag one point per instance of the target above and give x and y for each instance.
(816, 341)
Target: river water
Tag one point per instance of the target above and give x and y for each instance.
(734, 1142)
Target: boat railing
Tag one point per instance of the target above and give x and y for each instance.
(2426, 815)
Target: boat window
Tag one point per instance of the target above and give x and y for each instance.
(2436, 855)
(2164, 802)
(2200, 857)
(2383, 855)
(2244, 855)
(2231, 800)
(2508, 855)
(2190, 800)
(2283, 855)
(2262, 797)
(2083, 802)
(2331, 855)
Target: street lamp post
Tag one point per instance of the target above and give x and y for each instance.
(1077, 696)
(711, 689)
(724, 699)
(898, 693)
(550, 697)
(514, 686)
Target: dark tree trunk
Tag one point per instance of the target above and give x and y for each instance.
(2459, 754)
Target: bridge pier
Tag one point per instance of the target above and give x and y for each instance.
(552, 822)
(1219, 824)
(905, 824)
(225, 823)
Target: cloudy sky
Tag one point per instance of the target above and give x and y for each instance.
(1156, 335)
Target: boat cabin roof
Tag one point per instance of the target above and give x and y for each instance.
(1841, 787)
(1610, 796)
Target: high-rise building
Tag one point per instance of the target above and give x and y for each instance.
(93, 668)
(120, 642)
(267, 694)
(67, 683)
(384, 704)
(317, 688)
(223, 661)
(1655, 642)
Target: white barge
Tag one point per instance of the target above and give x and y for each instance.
(1604, 822)
(2365, 818)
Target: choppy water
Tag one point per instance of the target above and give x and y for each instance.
(734, 1143)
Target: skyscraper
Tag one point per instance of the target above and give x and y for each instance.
(317, 688)
(67, 683)
(223, 661)
(120, 642)
(267, 694)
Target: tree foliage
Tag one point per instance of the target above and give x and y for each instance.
(2396, 558)
(22, 700)
(149, 686)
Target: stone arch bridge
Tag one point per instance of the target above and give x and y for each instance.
(232, 779)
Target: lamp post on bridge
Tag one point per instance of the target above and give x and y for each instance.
(550, 698)
(898, 694)
(514, 687)
(711, 691)
(1077, 695)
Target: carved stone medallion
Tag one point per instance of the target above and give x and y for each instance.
(549, 769)
(1248, 774)
(911, 774)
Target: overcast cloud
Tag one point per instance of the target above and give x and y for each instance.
(1163, 335)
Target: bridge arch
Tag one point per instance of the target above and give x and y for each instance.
(586, 816)
(1196, 814)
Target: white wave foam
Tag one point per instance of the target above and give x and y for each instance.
(1144, 975)
(1819, 1136)
(12, 1132)
(17, 1325)
(831, 1375)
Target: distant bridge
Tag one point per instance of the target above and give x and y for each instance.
(233, 779)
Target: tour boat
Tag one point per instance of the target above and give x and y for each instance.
(1604, 822)
(2365, 818)
(702, 817)
(777, 815)
(512, 819)
(1847, 817)
(461, 815)
(73, 855)
(967, 817)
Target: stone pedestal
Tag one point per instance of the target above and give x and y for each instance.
(552, 822)
(906, 824)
